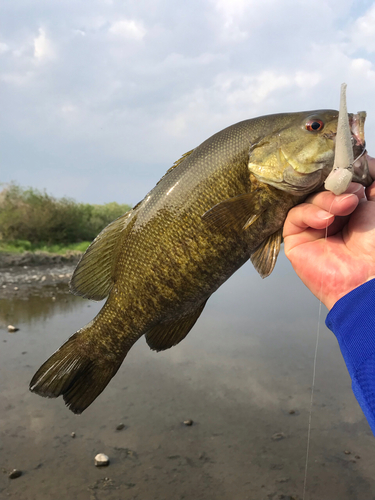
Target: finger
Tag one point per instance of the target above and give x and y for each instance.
(370, 192)
(341, 205)
(371, 165)
(337, 225)
(305, 216)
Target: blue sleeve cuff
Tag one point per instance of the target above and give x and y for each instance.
(352, 320)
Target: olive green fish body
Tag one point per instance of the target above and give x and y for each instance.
(220, 204)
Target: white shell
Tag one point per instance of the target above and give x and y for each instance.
(101, 460)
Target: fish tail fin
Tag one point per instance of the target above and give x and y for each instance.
(75, 374)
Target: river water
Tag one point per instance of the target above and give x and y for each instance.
(243, 375)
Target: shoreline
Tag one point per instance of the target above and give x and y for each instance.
(38, 258)
(36, 273)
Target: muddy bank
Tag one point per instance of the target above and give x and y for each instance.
(39, 273)
(38, 259)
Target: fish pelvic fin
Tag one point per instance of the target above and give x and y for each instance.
(265, 256)
(71, 373)
(93, 276)
(235, 213)
(167, 334)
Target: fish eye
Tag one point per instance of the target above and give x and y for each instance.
(314, 125)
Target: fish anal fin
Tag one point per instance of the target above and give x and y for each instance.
(235, 213)
(93, 276)
(264, 257)
(167, 334)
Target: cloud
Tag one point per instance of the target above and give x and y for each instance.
(133, 86)
(3, 48)
(128, 28)
(43, 49)
(363, 31)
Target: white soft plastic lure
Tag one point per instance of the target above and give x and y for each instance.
(342, 172)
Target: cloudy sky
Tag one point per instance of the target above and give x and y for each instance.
(99, 98)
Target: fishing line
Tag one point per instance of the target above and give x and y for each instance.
(314, 367)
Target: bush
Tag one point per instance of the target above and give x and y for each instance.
(34, 216)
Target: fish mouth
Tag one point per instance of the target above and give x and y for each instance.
(360, 169)
(357, 127)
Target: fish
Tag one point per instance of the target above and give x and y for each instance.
(218, 206)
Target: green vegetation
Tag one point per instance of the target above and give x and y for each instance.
(32, 220)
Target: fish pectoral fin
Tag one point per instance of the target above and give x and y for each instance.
(93, 276)
(235, 213)
(264, 257)
(167, 334)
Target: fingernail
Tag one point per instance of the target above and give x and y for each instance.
(322, 214)
(346, 197)
(358, 188)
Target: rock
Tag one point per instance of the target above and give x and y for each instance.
(278, 436)
(292, 412)
(347, 452)
(188, 422)
(101, 460)
(16, 288)
(15, 473)
(73, 434)
(12, 329)
(120, 427)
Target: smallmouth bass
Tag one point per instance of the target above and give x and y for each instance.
(219, 205)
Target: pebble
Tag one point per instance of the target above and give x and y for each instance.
(347, 452)
(120, 427)
(188, 422)
(15, 473)
(292, 412)
(278, 436)
(73, 434)
(12, 328)
(16, 288)
(101, 460)
(43, 278)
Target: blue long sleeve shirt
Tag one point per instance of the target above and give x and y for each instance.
(352, 320)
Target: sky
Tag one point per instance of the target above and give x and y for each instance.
(100, 98)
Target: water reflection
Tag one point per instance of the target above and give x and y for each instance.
(28, 309)
(243, 375)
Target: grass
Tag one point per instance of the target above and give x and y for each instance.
(20, 246)
(32, 220)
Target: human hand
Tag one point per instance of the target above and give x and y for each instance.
(331, 268)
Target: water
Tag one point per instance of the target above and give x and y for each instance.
(243, 375)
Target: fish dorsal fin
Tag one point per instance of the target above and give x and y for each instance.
(176, 163)
(167, 334)
(93, 276)
(264, 257)
(235, 213)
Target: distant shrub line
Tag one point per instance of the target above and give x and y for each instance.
(30, 215)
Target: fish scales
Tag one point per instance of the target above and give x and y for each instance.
(160, 263)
